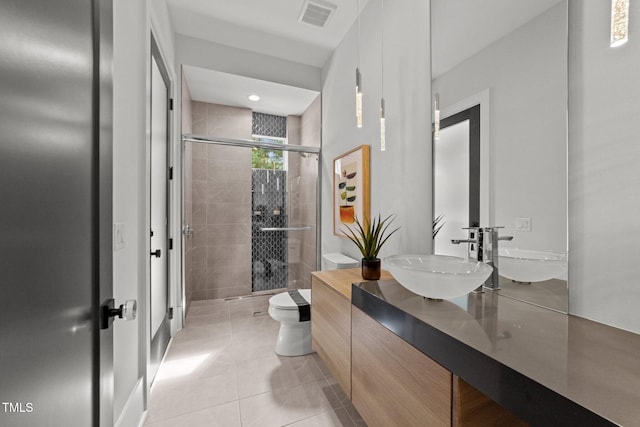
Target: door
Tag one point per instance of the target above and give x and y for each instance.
(160, 331)
(55, 214)
(456, 180)
(265, 218)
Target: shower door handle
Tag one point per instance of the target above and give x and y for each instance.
(305, 227)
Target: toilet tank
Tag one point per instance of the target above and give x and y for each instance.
(337, 261)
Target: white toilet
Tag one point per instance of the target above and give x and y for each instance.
(294, 338)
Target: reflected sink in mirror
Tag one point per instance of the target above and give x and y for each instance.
(437, 276)
(528, 266)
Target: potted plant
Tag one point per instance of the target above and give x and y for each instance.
(438, 223)
(369, 238)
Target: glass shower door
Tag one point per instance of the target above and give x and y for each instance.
(284, 222)
(254, 228)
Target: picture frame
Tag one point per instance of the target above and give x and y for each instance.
(351, 192)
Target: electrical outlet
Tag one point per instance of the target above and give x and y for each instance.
(523, 224)
(119, 236)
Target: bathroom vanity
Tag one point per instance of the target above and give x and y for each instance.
(331, 320)
(481, 359)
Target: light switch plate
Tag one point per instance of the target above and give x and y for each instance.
(523, 224)
(119, 236)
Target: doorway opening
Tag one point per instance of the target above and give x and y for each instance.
(253, 230)
(456, 179)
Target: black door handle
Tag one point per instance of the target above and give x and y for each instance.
(156, 253)
(126, 311)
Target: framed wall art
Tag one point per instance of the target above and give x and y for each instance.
(350, 189)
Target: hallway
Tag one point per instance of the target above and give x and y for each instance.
(221, 370)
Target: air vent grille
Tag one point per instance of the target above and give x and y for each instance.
(316, 13)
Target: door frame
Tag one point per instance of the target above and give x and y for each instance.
(103, 388)
(152, 359)
(473, 116)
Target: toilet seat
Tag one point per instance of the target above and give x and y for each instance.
(283, 301)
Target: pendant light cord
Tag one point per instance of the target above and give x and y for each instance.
(382, 46)
(358, 49)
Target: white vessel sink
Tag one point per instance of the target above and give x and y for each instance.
(437, 276)
(525, 265)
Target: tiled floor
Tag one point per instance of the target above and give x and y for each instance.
(221, 370)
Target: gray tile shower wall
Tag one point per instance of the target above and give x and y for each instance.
(219, 257)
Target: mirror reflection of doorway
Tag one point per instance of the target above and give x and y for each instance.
(456, 180)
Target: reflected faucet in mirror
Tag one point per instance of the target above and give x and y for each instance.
(483, 247)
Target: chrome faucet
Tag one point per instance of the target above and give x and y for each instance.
(483, 247)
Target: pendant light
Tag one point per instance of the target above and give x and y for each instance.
(436, 117)
(382, 124)
(358, 77)
(619, 22)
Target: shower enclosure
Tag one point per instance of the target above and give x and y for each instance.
(251, 216)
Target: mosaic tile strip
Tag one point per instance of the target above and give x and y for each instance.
(270, 269)
(269, 125)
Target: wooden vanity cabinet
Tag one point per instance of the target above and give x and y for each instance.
(389, 381)
(331, 320)
(394, 384)
(331, 331)
(471, 408)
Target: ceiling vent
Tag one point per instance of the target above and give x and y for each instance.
(316, 12)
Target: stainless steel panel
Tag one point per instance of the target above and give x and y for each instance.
(48, 233)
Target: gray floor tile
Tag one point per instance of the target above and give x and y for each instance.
(221, 370)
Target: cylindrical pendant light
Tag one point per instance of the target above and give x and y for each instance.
(436, 117)
(619, 22)
(358, 76)
(358, 99)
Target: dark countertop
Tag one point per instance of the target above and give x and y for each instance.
(547, 367)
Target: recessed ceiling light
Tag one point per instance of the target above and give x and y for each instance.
(254, 98)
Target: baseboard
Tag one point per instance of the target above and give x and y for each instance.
(176, 323)
(133, 413)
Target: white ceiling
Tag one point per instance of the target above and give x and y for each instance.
(230, 89)
(461, 28)
(268, 27)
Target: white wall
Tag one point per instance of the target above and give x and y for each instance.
(214, 56)
(129, 117)
(525, 73)
(132, 25)
(400, 176)
(604, 177)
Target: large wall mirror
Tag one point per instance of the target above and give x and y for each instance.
(509, 57)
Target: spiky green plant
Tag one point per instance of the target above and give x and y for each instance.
(370, 237)
(437, 224)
